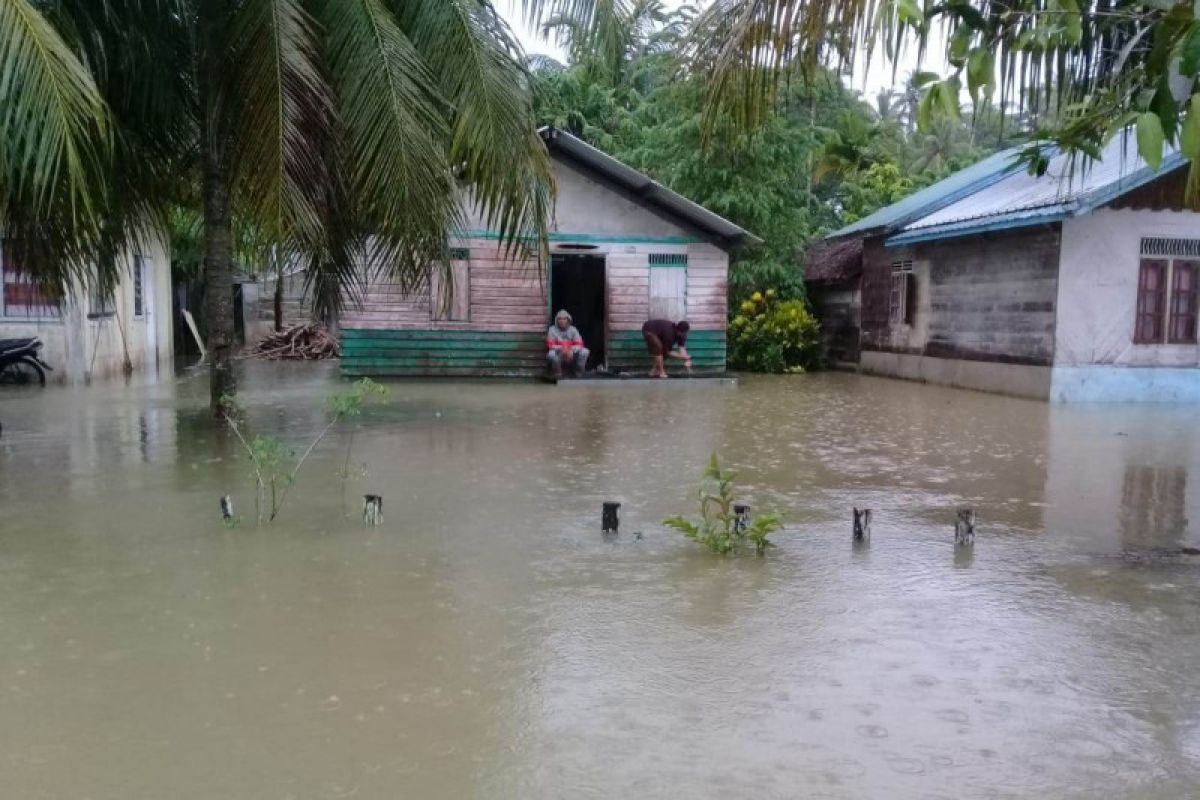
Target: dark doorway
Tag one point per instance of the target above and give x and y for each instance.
(577, 284)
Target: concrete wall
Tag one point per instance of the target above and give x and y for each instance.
(992, 297)
(80, 348)
(1098, 289)
(1095, 357)
(837, 308)
(987, 298)
(1018, 380)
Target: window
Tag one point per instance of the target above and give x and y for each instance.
(22, 297)
(139, 283)
(668, 285)
(1152, 279)
(450, 291)
(1168, 292)
(1182, 323)
(902, 302)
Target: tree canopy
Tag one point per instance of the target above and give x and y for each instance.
(824, 159)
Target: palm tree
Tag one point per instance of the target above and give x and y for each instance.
(342, 132)
(1111, 63)
(609, 39)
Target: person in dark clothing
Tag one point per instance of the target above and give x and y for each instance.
(664, 339)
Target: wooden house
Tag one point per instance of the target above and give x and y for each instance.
(1081, 285)
(624, 249)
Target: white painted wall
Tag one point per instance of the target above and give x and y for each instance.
(1097, 289)
(585, 206)
(79, 348)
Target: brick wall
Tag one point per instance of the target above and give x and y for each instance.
(990, 297)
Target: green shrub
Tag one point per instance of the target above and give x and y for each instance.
(717, 528)
(772, 335)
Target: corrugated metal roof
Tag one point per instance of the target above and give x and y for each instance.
(931, 198)
(1072, 185)
(645, 188)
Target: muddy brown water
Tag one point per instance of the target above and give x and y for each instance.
(488, 642)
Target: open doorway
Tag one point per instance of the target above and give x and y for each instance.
(577, 284)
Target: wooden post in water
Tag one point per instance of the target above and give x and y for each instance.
(741, 517)
(372, 509)
(862, 525)
(964, 528)
(610, 517)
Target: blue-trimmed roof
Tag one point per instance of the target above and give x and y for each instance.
(1071, 186)
(941, 194)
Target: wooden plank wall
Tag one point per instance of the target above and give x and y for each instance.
(628, 291)
(502, 295)
(507, 312)
(707, 287)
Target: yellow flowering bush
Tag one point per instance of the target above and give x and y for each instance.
(769, 335)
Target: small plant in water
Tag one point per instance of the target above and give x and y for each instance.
(718, 527)
(274, 464)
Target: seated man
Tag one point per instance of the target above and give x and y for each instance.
(665, 338)
(565, 346)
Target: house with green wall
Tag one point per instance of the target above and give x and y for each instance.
(623, 249)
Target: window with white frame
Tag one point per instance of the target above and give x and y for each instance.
(902, 300)
(22, 297)
(1168, 291)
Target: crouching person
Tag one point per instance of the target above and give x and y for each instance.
(565, 347)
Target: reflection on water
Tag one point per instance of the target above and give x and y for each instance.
(488, 641)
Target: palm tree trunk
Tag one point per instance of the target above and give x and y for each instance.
(218, 218)
(218, 275)
(279, 300)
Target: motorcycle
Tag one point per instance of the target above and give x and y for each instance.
(20, 363)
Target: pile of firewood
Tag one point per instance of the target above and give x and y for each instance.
(298, 343)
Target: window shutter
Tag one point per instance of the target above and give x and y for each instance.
(1151, 297)
(1182, 324)
(910, 298)
(668, 286)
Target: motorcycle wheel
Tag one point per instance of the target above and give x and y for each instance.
(23, 372)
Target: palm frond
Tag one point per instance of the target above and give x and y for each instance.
(501, 159)
(54, 127)
(283, 118)
(397, 125)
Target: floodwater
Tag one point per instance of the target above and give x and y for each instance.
(487, 641)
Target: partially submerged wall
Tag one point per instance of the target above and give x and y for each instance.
(1096, 359)
(84, 342)
(983, 311)
(497, 324)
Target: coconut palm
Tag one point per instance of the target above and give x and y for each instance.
(1106, 63)
(342, 132)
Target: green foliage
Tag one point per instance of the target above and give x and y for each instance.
(772, 335)
(275, 465)
(341, 133)
(827, 158)
(350, 403)
(1071, 73)
(717, 528)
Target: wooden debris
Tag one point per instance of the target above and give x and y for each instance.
(964, 528)
(309, 342)
(610, 516)
(862, 525)
(372, 509)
